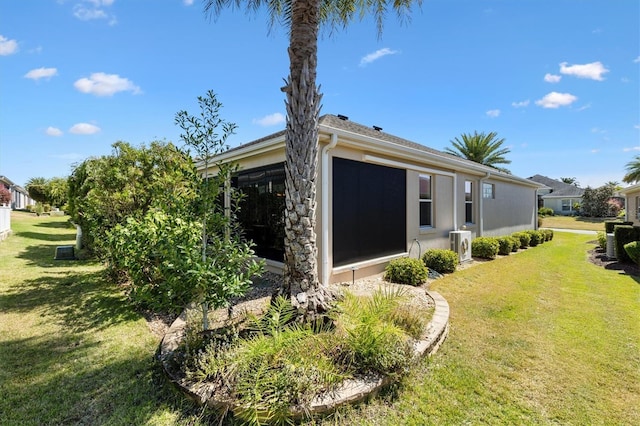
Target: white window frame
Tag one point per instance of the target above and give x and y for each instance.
(488, 191)
(428, 201)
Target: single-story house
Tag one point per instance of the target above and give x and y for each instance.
(631, 196)
(19, 196)
(379, 197)
(559, 196)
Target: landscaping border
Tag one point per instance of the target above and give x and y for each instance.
(352, 391)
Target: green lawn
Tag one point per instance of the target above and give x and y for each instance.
(574, 222)
(538, 337)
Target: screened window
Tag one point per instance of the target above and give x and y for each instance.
(468, 201)
(262, 209)
(488, 190)
(426, 201)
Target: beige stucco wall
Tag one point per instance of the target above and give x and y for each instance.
(513, 209)
(631, 206)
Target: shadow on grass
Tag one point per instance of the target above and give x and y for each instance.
(46, 237)
(57, 225)
(80, 301)
(68, 384)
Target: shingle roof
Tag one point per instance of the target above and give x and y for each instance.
(558, 188)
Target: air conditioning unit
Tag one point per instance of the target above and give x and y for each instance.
(461, 244)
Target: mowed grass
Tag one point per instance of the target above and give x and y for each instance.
(538, 337)
(71, 349)
(574, 222)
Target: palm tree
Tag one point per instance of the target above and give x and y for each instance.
(303, 18)
(633, 171)
(481, 148)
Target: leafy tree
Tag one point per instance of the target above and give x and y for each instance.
(57, 189)
(481, 148)
(303, 18)
(633, 171)
(570, 181)
(595, 201)
(226, 265)
(5, 196)
(105, 191)
(37, 189)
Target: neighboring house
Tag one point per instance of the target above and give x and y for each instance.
(559, 196)
(19, 196)
(631, 196)
(379, 197)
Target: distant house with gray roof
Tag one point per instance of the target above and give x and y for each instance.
(559, 196)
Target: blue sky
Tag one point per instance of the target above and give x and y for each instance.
(558, 79)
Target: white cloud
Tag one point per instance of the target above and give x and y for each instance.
(84, 129)
(556, 100)
(101, 84)
(7, 47)
(367, 59)
(598, 130)
(520, 104)
(187, 2)
(635, 148)
(552, 78)
(38, 73)
(87, 10)
(270, 120)
(637, 60)
(594, 151)
(493, 113)
(53, 131)
(593, 71)
(636, 126)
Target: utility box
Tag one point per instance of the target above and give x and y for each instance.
(65, 253)
(461, 244)
(611, 246)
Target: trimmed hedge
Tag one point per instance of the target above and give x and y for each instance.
(443, 261)
(523, 237)
(548, 234)
(545, 211)
(609, 225)
(406, 270)
(633, 251)
(536, 237)
(625, 234)
(506, 245)
(485, 247)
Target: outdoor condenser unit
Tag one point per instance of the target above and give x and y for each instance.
(461, 244)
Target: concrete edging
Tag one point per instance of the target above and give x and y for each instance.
(352, 391)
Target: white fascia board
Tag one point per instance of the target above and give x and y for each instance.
(379, 146)
(241, 152)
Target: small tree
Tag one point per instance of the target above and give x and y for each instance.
(595, 201)
(5, 196)
(226, 263)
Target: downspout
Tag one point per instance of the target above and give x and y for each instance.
(325, 207)
(481, 204)
(455, 202)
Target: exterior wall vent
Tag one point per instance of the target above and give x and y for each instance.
(343, 117)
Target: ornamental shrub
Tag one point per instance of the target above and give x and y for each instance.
(609, 225)
(406, 270)
(506, 245)
(485, 247)
(536, 237)
(633, 251)
(624, 234)
(545, 211)
(515, 243)
(524, 238)
(548, 234)
(602, 240)
(443, 261)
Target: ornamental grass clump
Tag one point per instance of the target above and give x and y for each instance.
(485, 247)
(406, 270)
(443, 261)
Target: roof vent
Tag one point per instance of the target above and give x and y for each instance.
(343, 117)
(377, 128)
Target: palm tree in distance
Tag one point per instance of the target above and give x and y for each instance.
(633, 171)
(303, 18)
(481, 148)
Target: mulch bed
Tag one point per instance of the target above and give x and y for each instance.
(598, 257)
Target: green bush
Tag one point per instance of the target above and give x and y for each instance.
(624, 234)
(609, 225)
(506, 245)
(536, 237)
(443, 261)
(548, 234)
(515, 243)
(602, 240)
(633, 251)
(406, 270)
(545, 211)
(485, 247)
(523, 237)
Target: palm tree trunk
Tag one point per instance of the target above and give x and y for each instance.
(303, 110)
